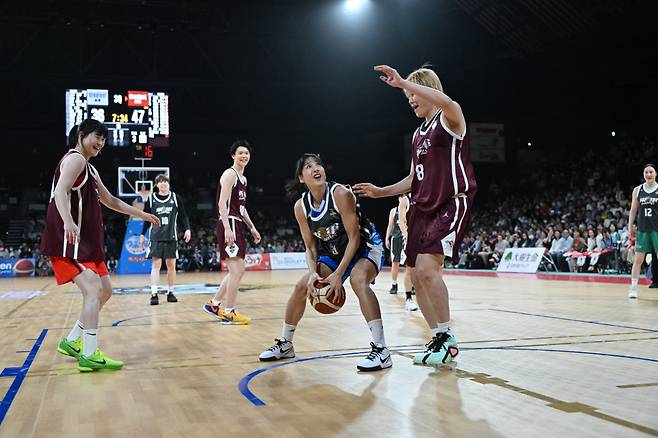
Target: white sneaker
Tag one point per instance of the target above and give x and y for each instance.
(632, 292)
(378, 359)
(410, 305)
(282, 349)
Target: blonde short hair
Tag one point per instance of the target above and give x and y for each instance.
(426, 77)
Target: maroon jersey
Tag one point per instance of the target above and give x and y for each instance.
(442, 166)
(238, 199)
(85, 208)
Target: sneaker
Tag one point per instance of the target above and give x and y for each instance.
(632, 293)
(282, 349)
(97, 361)
(378, 359)
(154, 300)
(171, 298)
(393, 290)
(441, 349)
(410, 305)
(209, 307)
(70, 348)
(235, 318)
(653, 285)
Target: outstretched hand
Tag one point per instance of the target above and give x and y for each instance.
(390, 76)
(366, 189)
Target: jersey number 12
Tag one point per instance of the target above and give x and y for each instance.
(647, 212)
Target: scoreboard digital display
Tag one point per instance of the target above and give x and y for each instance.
(133, 118)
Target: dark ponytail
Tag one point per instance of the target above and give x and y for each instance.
(295, 188)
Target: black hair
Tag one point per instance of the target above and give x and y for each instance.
(89, 126)
(161, 177)
(237, 143)
(295, 188)
(72, 138)
(649, 165)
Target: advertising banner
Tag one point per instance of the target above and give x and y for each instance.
(521, 260)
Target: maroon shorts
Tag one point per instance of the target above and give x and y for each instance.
(240, 238)
(440, 232)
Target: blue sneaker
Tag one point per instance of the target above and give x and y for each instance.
(442, 349)
(213, 310)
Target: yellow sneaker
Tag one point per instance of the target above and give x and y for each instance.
(235, 318)
(97, 361)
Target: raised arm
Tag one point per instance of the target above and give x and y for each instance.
(452, 112)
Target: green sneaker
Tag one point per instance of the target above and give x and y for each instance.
(440, 350)
(70, 348)
(97, 361)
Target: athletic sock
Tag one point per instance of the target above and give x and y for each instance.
(408, 294)
(288, 332)
(89, 342)
(230, 310)
(76, 331)
(215, 302)
(377, 329)
(154, 289)
(634, 283)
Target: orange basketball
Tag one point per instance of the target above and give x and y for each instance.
(321, 303)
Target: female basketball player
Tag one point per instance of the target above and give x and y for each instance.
(231, 240)
(442, 185)
(644, 201)
(73, 238)
(340, 243)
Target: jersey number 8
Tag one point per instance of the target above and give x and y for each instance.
(420, 172)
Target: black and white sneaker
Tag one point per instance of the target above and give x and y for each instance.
(282, 349)
(378, 359)
(171, 298)
(394, 289)
(154, 300)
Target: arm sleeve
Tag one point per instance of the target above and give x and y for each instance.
(147, 209)
(183, 213)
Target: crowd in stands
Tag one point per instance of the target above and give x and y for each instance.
(576, 209)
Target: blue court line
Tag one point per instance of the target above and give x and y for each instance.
(19, 373)
(243, 385)
(540, 315)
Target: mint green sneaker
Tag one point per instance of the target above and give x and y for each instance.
(97, 361)
(442, 349)
(70, 348)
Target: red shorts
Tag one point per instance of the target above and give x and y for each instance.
(240, 238)
(66, 269)
(437, 233)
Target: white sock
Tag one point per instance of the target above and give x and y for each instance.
(377, 329)
(288, 332)
(76, 331)
(215, 302)
(634, 283)
(154, 289)
(170, 289)
(442, 327)
(89, 342)
(230, 310)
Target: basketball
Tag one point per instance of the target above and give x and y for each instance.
(321, 303)
(24, 267)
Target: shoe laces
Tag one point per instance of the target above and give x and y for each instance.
(437, 342)
(279, 343)
(375, 351)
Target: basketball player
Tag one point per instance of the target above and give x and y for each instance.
(395, 241)
(340, 243)
(442, 185)
(163, 240)
(231, 240)
(644, 201)
(73, 238)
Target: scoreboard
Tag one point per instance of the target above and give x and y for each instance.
(139, 119)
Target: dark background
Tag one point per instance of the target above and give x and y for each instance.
(296, 76)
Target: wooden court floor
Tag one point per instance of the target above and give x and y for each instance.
(539, 358)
